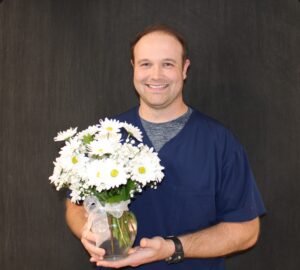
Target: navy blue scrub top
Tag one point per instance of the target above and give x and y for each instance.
(207, 180)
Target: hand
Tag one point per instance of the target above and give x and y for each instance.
(88, 239)
(150, 250)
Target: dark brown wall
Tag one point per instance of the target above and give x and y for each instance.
(66, 63)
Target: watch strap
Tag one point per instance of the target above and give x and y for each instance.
(178, 255)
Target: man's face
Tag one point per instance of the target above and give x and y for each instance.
(158, 71)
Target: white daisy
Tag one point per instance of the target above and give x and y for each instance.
(114, 175)
(75, 180)
(91, 130)
(55, 178)
(127, 152)
(73, 162)
(133, 131)
(143, 172)
(110, 126)
(73, 145)
(102, 147)
(97, 159)
(146, 167)
(113, 137)
(96, 172)
(64, 135)
(75, 194)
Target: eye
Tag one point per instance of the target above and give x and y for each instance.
(145, 64)
(168, 64)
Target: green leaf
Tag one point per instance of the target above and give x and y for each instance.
(87, 139)
(115, 195)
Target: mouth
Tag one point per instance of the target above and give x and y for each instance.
(157, 86)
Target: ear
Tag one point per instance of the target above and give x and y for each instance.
(185, 68)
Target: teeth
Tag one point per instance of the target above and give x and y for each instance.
(157, 86)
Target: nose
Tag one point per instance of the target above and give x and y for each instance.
(156, 72)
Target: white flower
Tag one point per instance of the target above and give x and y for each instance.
(71, 146)
(112, 137)
(106, 174)
(64, 135)
(55, 178)
(75, 194)
(102, 147)
(91, 130)
(97, 159)
(95, 172)
(146, 167)
(75, 180)
(72, 162)
(127, 152)
(143, 172)
(133, 131)
(114, 174)
(110, 126)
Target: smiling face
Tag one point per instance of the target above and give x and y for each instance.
(159, 72)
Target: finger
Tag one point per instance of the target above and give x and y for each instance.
(133, 250)
(153, 243)
(89, 236)
(92, 249)
(112, 264)
(96, 258)
(144, 242)
(93, 260)
(84, 233)
(117, 264)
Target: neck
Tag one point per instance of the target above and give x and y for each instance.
(161, 115)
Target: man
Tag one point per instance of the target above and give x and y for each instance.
(208, 198)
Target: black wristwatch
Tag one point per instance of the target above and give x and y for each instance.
(178, 255)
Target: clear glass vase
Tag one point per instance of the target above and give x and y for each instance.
(122, 235)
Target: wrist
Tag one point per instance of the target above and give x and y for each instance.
(177, 249)
(170, 248)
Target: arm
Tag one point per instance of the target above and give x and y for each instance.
(76, 219)
(219, 240)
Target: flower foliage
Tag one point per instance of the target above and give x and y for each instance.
(107, 160)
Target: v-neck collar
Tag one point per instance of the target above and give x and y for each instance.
(147, 140)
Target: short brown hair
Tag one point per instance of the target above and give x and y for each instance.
(164, 29)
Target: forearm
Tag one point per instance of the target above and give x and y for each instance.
(221, 239)
(75, 218)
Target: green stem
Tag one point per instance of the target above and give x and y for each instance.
(121, 228)
(132, 226)
(110, 221)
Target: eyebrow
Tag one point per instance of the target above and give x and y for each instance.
(165, 59)
(142, 60)
(169, 60)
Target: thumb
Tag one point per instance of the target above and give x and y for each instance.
(153, 243)
(145, 242)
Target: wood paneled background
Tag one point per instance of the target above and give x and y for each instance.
(66, 63)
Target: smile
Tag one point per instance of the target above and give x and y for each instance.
(157, 86)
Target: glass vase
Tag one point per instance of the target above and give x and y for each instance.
(122, 233)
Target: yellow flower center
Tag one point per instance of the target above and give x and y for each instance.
(142, 170)
(98, 174)
(114, 173)
(74, 160)
(109, 128)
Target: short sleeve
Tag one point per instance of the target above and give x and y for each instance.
(237, 197)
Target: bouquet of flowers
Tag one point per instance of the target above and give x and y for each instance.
(104, 166)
